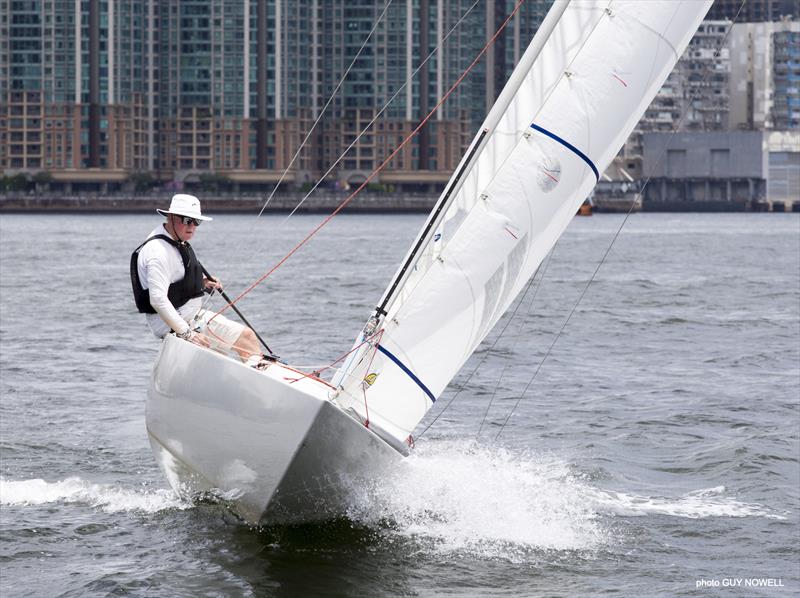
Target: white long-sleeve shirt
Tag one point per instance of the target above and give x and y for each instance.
(159, 265)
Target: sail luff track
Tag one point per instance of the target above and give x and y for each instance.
(433, 220)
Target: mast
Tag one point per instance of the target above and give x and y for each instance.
(575, 100)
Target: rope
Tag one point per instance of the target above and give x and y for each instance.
(319, 369)
(383, 164)
(675, 131)
(302, 145)
(379, 334)
(381, 111)
(363, 131)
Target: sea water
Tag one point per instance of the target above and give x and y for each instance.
(634, 429)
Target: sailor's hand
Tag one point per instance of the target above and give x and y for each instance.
(198, 338)
(212, 283)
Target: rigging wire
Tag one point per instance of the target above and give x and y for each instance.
(379, 168)
(660, 159)
(550, 92)
(324, 109)
(382, 110)
(532, 277)
(386, 105)
(313, 127)
(516, 339)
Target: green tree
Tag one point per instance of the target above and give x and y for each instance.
(42, 180)
(18, 182)
(211, 181)
(141, 181)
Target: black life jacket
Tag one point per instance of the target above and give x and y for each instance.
(189, 287)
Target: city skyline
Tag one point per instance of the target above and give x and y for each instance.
(98, 92)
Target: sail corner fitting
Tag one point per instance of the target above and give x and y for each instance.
(372, 325)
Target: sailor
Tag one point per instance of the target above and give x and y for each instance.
(169, 283)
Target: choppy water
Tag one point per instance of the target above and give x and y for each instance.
(658, 447)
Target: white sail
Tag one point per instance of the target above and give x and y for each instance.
(576, 95)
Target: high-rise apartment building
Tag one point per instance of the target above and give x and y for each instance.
(786, 78)
(753, 11)
(95, 91)
(74, 88)
(704, 75)
(693, 98)
(408, 64)
(765, 64)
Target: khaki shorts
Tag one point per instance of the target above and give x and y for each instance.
(221, 331)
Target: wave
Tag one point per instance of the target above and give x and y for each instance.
(452, 497)
(108, 498)
(463, 497)
(698, 504)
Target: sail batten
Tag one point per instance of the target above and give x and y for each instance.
(568, 107)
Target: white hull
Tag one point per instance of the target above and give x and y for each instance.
(272, 443)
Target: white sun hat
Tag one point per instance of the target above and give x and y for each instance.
(184, 205)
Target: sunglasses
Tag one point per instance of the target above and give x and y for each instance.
(187, 221)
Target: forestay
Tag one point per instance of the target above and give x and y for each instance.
(576, 95)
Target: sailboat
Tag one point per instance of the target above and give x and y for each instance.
(285, 447)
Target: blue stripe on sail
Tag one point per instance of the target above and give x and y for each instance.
(570, 147)
(411, 375)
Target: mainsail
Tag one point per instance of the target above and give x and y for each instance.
(580, 88)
